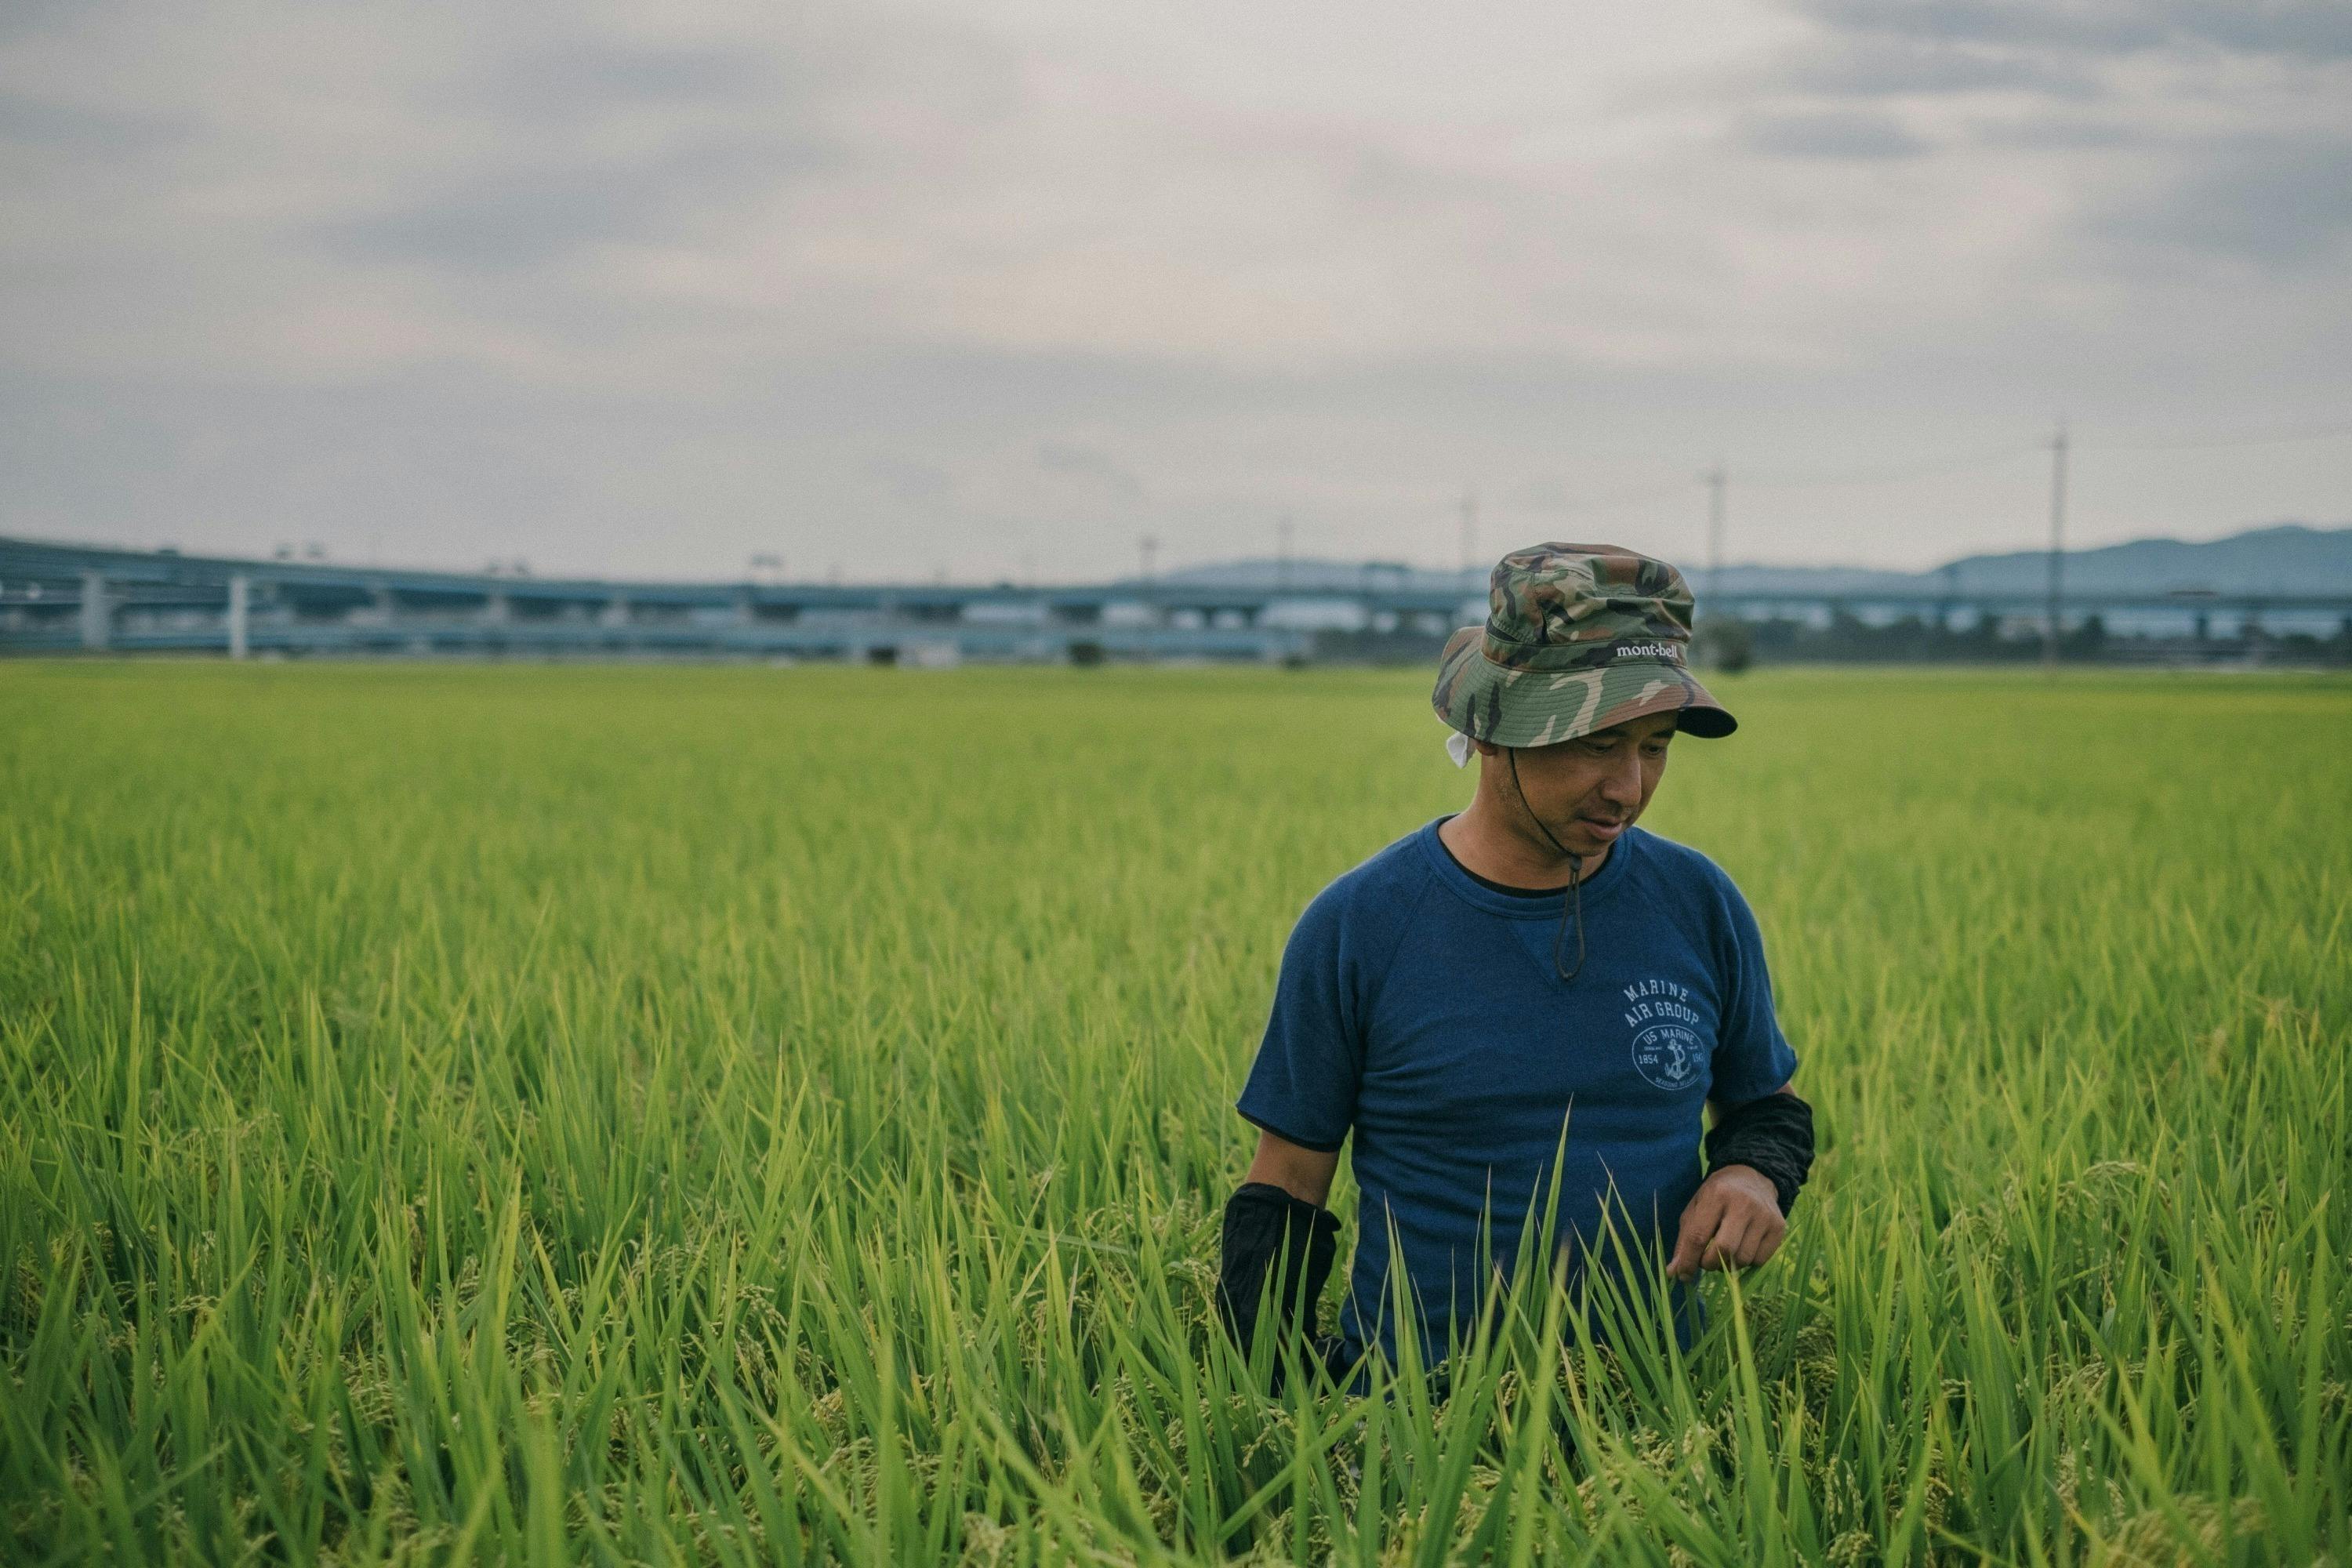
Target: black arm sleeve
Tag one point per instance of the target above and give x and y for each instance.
(1774, 1134)
(1267, 1232)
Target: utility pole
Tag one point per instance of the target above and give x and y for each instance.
(1715, 479)
(1285, 533)
(2057, 546)
(1469, 531)
(1147, 547)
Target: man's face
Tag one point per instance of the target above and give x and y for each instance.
(1587, 791)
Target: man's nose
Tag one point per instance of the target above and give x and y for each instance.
(1621, 785)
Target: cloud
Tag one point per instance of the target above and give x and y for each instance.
(2157, 131)
(30, 18)
(1830, 135)
(526, 217)
(2270, 200)
(2304, 29)
(564, 146)
(1088, 463)
(1873, 66)
(911, 480)
(589, 78)
(2060, 132)
(942, 275)
(81, 131)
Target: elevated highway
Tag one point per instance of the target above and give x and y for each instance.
(62, 597)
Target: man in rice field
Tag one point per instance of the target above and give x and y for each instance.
(1530, 984)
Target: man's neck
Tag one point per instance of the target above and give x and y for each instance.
(1516, 857)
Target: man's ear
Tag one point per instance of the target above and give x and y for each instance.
(1485, 748)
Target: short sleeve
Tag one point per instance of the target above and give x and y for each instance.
(1752, 1058)
(1302, 1087)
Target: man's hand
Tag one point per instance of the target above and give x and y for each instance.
(1734, 1218)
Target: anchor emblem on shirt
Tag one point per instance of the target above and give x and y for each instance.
(1667, 1055)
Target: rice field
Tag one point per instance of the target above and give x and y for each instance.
(746, 1116)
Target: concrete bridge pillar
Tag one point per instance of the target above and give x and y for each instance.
(97, 612)
(240, 613)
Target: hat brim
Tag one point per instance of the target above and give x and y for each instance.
(1537, 708)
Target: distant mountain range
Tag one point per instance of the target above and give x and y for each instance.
(2284, 558)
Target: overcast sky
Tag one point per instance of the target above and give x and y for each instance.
(900, 290)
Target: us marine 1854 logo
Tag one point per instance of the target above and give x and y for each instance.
(1666, 1045)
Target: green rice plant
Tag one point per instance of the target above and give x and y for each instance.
(734, 1116)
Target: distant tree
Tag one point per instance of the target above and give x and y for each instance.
(2087, 641)
(1724, 643)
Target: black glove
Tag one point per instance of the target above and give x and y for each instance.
(1774, 1134)
(1267, 1229)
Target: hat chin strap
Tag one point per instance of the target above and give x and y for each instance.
(1575, 899)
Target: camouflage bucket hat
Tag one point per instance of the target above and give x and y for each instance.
(1577, 637)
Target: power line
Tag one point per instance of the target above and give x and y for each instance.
(1624, 498)
(1918, 468)
(2243, 438)
(1928, 468)
(2062, 445)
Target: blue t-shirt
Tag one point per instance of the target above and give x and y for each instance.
(1422, 1011)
